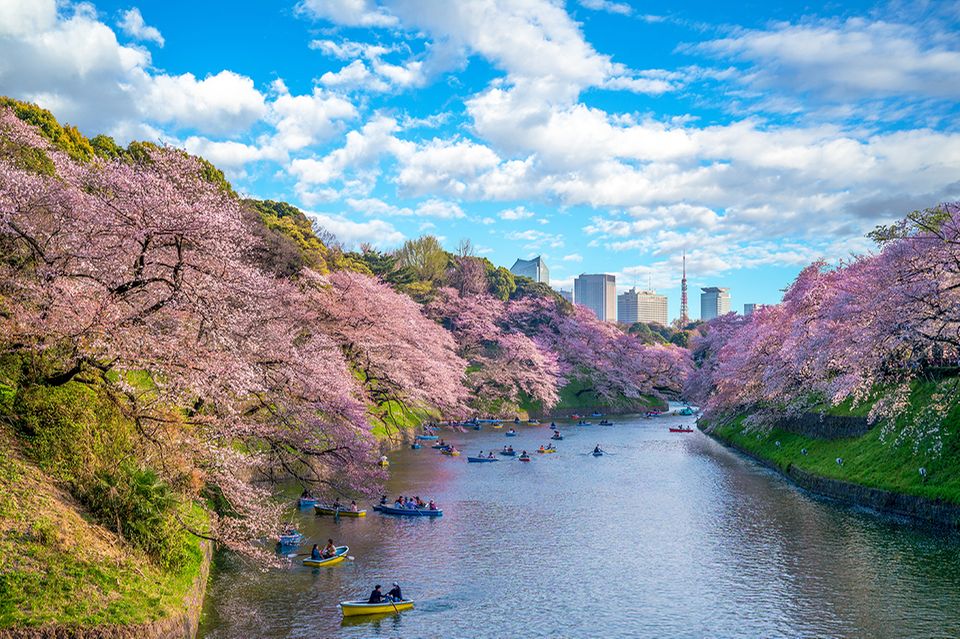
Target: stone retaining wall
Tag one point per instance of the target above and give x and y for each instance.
(182, 626)
(920, 508)
(817, 426)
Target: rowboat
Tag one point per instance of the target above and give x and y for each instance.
(329, 561)
(508, 453)
(440, 446)
(481, 460)
(557, 438)
(428, 437)
(292, 539)
(583, 423)
(327, 509)
(452, 453)
(383, 463)
(681, 430)
(356, 608)
(407, 512)
(524, 458)
(604, 422)
(416, 446)
(596, 414)
(478, 427)
(535, 422)
(306, 502)
(553, 426)
(511, 433)
(598, 453)
(546, 451)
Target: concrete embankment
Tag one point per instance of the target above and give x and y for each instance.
(932, 510)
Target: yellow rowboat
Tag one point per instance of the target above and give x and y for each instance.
(343, 512)
(546, 451)
(356, 608)
(452, 453)
(329, 561)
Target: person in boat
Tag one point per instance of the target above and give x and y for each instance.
(315, 552)
(510, 449)
(337, 505)
(395, 594)
(490, 455)
(305, 494)
(432, 505)
(398, 503)
(441, 443)
(420, 502)
(542, 449)
(411, 505)
(353, 506)
(383, 500)
(376, 596)
(329, 550)
(596, 449)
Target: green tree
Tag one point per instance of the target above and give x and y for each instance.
(425, 257)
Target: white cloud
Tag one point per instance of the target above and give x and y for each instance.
(573, 257)
(223, 103)
(535, 240)
(304, 120)
(516, 213)
(353, 13)
(854, 59)
(349, 49)
(362, 149)
(379, 233)
(606, 5)
(429, 208)
(134, 26)
(20, 19)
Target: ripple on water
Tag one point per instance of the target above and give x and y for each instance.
(670, 535)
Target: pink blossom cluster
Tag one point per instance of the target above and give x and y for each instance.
(860, 332)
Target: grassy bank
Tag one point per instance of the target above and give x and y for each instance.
(58, 566)
(577, 397)
(872, 460)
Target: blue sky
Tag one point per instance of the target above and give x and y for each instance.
(607, 136)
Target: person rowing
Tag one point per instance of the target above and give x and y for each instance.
(328, 551)
(395, 594)
(597, 449)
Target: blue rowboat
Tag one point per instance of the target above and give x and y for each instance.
(481, 460)
(477, 427)
(293, 539)
(428, 437)
(416, 446)
(306, 502)
(407, 512)
(598, 453)
(596, 415)
(557, 437)
(511, 433)
(439, 447)
(508, 453)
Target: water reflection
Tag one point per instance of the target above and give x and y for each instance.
(668, 535)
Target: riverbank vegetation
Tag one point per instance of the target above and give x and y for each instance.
(169, 348)
(871, 460)
(863, 336)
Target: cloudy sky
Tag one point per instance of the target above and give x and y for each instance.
(608, 136)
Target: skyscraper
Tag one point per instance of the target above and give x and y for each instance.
(684, 308)
(714, 302)
(748, 309)
(598, 292)
(641, 306)
(536, 269)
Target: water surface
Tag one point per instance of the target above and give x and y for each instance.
(670, 535)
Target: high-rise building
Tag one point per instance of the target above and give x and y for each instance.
(748, 309)
(641, 306)
(714, 302)
(536, 269)
(684, 309)
(598, 292)
(567, 295)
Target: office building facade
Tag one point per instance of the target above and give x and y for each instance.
(641, 306)
(714, 302)
(598, 292)
(536, 269)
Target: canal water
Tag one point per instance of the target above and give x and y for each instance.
(668, 535)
